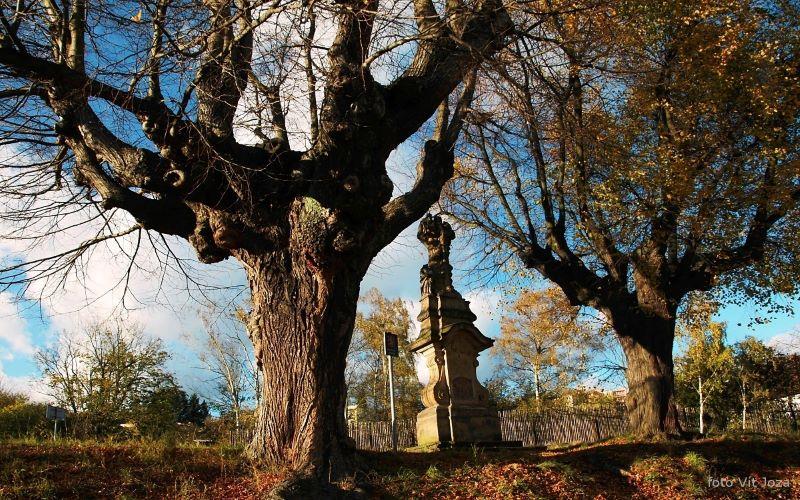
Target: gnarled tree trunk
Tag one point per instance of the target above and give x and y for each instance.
(301, 325)
(647, 344)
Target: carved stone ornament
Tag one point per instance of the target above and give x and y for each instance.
(437, 275)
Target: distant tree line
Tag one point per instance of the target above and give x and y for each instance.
(726, 382)
(233, 379)
(367, 369)
(20, 417)
(549, 354)
(112, 379)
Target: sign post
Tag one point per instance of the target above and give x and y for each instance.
(391, 348)
(55, 414)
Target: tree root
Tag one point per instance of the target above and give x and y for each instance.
(308, 486)
(351, 480)
(660, 436)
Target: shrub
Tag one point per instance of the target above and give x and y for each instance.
(20, 417)
(8, 398)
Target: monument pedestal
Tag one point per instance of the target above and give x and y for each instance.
(473, 425)
(457, 406)
(457, 409)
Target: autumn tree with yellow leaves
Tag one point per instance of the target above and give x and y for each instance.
(545, 346)
(649, 151)
(367, 370)
(706, 368)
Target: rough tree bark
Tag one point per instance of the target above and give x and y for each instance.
(645, 327)
(301, 325)
(647, 344)
(643, 321)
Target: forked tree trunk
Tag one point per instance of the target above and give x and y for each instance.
(301, 325)
(647, 344)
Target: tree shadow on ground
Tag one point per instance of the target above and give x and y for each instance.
(616, 468)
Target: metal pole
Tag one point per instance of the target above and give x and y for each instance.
(55, 428)
(391, 406)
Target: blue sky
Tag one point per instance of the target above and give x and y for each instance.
(168, 309)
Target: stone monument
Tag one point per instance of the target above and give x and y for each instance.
(457, 409)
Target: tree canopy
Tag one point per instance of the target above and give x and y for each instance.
(217, 89)
(650, 150)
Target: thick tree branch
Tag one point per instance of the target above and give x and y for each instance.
(434, 169)
(165, 216)
(441, 61)
(37, 70)
(700, 270)
(77, 29)
(223, 73)
(311, 78)
(153, 64)
(347, 83)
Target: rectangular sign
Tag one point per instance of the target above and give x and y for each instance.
(55, 413)
(391, 346)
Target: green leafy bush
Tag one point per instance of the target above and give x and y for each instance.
(20, 417)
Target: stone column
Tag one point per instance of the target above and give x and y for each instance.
(457, 409)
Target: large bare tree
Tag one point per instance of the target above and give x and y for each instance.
(304, 220)
(649, 151)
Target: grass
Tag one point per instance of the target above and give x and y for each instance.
(151, 469)
(613, 469)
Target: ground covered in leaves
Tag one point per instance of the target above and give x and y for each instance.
(79, 469)
(724, 467)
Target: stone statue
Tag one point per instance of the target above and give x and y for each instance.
(457, 409)
(437, 275)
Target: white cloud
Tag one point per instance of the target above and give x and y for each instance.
(485, 303)
(14, 338)
(103, 283)
(788, 343)
(28, 385)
